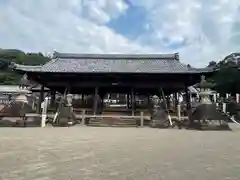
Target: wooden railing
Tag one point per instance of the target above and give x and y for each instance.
(83, 116)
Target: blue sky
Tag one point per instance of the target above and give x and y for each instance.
(200, 30)
(131, 24)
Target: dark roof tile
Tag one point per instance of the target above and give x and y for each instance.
(113, 63)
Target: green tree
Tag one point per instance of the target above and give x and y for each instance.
(226, 78)
(7, 56)
(212, 64)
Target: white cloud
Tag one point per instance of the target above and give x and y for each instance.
(68, 26)
(206, 29)
(102, 11)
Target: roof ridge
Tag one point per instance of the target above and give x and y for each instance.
(58, 55)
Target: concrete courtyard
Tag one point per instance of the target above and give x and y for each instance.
(87, 153)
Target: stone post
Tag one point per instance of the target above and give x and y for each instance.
(83, 117)
(237, 98)
(224, 107)
(44, 112)
(227, 95)
(214, 97)
(179, 112)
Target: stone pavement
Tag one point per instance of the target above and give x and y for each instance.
(87, 153)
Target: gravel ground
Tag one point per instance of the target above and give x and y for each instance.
(87, 153)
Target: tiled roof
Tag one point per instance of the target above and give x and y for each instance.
(113, 63)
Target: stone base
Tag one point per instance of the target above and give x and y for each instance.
(160, 119)
(66, 117)
(159, 124)
(223, 127)
(209, 127)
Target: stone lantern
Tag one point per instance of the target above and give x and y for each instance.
(206, 113)
(205, 91)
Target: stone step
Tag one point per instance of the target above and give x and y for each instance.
(118, 121)
(111, 125)
(114, 122)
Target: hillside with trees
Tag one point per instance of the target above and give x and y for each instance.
(227, 75)
(7, 56)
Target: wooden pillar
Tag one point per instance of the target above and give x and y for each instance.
(83, 101)
(40, 99)
(133, 101)
(102, 95)
(149, 104)
(142, 119)
(187, 98)
(95, 104)
(188, 104)
(9, 98)
(168, 101)
(176, 102)
(53, 98)
(128, 101)
(162, 95)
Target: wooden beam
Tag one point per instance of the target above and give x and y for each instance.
(92, 84)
